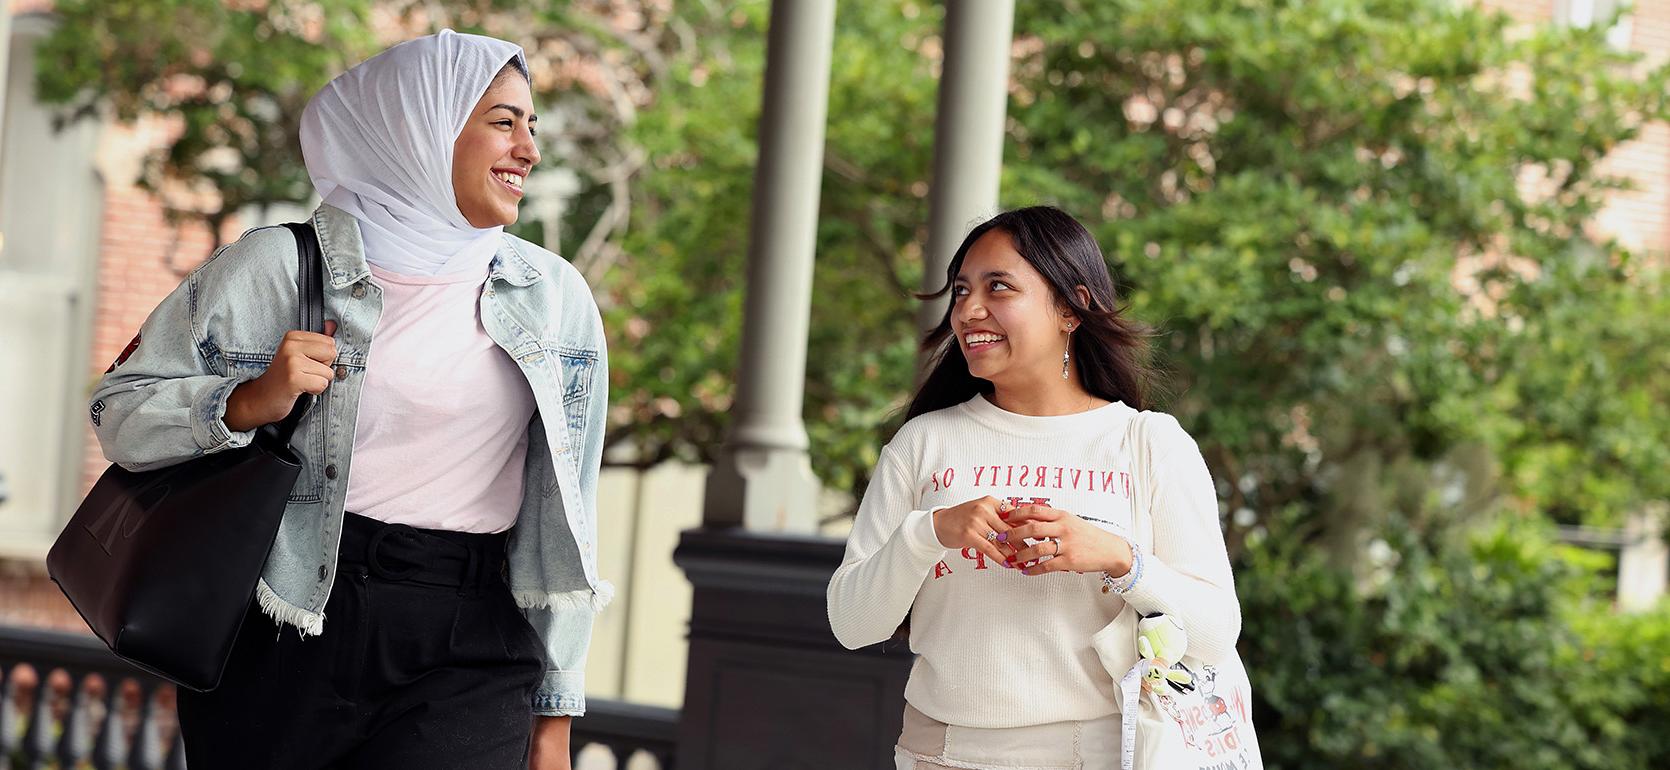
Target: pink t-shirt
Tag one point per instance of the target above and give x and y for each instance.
(442, 433)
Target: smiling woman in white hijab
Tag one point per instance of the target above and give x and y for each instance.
(445, 521)
(378, 142)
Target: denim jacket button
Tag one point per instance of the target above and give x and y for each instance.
(341, 373)
(358, 291)
(330, 471)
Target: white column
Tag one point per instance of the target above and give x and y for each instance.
(5, 54)
(968, 134)
(762, 479)
(1644, 562)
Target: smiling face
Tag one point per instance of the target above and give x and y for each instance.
(1005, 315)
(494, 153)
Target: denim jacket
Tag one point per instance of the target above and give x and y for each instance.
(164, 402)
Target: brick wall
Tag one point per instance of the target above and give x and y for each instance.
(142, 257)
(1639, 218)
(1523, 10)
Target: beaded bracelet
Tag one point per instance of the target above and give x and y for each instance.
(1125, 583)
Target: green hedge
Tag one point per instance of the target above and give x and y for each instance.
(1471, 652)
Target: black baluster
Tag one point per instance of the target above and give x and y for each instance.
(663, 758)
(110, 748)
(147, 740)
(623, 754)
(37, 739)
(8, 711)
(177, 754)
(75, 741)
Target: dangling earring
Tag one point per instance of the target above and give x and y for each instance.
(1067, 355)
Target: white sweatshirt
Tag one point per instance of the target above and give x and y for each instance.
(997, 648)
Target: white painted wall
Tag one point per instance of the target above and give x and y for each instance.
(639, 645)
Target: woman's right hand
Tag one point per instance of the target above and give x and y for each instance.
(301, 365)
(970, 524)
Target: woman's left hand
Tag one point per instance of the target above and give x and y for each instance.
(1073, 544)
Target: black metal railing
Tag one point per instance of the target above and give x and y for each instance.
(626, 729)
(67, 702)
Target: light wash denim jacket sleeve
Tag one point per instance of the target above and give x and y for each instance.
(164, 402)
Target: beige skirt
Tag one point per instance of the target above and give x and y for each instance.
(929, 744)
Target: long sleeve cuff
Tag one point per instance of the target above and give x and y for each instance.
(208, 419)
(918, 531)
(1210, 614)
(561, 694)
(1142, 595)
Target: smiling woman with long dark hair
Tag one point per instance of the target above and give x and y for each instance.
(1003, 517)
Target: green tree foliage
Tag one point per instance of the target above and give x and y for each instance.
(1354, 218)
(678, 298)
(232, 79)
(1324, 205)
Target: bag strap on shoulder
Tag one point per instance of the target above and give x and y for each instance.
(1139, 451)
(310, 290)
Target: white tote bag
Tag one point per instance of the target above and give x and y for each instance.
(1205, 726)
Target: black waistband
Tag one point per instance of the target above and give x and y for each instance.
(400, 552)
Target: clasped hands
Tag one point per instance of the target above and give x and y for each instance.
(1060, 541)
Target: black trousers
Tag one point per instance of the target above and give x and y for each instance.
(425, 662)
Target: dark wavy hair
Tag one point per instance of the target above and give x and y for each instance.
(516, 66)
(1110, 351)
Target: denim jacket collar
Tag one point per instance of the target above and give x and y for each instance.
(344, 252)
(339, 240)
(509, 265)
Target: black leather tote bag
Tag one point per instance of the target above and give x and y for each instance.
(163, 564)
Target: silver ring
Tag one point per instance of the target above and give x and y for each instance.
(992, 536)
(1057, 542)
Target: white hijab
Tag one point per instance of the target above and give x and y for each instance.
(378, 140)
